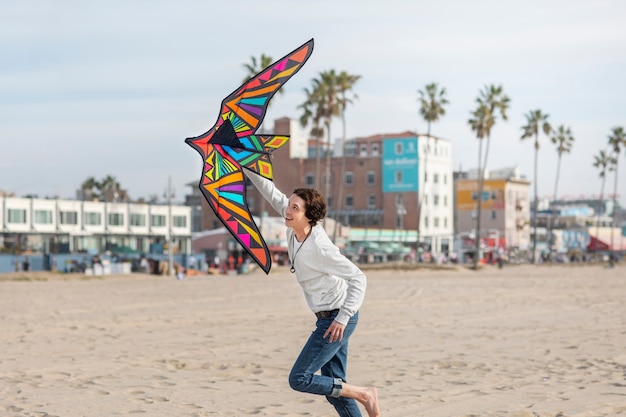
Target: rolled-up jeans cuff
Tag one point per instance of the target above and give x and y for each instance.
(337, 385)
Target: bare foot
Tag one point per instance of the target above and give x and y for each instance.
(371, 404)
(367, 396)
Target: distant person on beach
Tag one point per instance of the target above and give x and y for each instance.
(334, 289)
(26, 264)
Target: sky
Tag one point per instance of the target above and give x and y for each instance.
(97, 88)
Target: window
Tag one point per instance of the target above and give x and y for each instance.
(399, 148)
(445, 201)
(426, 221)
(137, 219)
(68, 217)
(425, 176)
(398, 177)
(92, 218)
(309, 180)
(17, 216)
(375, 149)
(370, 178)
(116, 219)
(363, 150)
(371, 201)
(445, 222)
(436, 200)
(436, 178)
(445, 179)
(399, 199)
(493, 214)
(350, 149)
(157, 220)
(43, 217)
(436, 222)
(179, 221)
(349, 178)
(349, 201)
(425, 199)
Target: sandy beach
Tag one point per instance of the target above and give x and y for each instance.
(523, 341)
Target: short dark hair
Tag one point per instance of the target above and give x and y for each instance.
(314, 204)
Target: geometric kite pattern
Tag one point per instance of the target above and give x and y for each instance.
(231, 144)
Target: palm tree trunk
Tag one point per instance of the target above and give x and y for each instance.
(558, 173)
(486, 152)
(327, 170)
(556, 185)
(339, 203)
(479, 200)
(595, 245)
(614, 203)
(534, 214)
(318, 156)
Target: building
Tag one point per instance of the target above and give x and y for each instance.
(384, 178)
(505, 212)
(599, 220)
(196, 202)
(70, 226)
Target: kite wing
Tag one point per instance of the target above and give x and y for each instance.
(231, 144)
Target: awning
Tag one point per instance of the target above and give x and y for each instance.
(596, 245)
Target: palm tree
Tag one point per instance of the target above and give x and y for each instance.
(106, 189)
(536, 121)
(617, 140)
(345, 84)
(90, 189)
(604, 162)
(313, 112)
(481, 123)
(322, 105)
(332, 108)
(497, 102)
(564, 141)
(432, 101)
(491, 101)
(110, 189)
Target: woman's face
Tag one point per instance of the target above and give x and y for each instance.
(295, 215)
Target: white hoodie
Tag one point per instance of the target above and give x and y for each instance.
(329, 280)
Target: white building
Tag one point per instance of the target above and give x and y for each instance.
(55, 225)
(436, 193)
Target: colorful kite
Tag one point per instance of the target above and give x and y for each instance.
(231, 144)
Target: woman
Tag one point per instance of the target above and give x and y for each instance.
(334, 289)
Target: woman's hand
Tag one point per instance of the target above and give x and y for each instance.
(335, 332)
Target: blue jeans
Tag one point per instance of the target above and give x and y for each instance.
(318, 354)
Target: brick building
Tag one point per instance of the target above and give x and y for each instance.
(385, 176)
